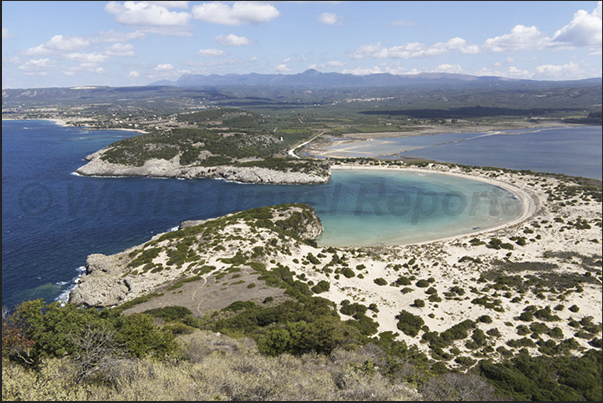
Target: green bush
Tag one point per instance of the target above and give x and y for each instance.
(347, 272)
(408, 323)
(419, 303)
(485, 319)
(322, 286)
(380, 281)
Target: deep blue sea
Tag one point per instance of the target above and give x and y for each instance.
(53, 219)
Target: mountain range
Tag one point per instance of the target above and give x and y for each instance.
(315, 79)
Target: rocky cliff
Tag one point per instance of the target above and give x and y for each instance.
(161, 168)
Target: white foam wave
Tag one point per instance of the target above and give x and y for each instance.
(64, 295)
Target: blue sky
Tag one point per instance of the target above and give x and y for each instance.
(61, 44)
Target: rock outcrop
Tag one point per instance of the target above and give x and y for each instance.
(160, 168)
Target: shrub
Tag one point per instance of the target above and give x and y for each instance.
(574, 308)
(419, 303)
(403, 280)
(522, 330)
(546, 315)
(422, 283)
(485, 319)
(380, 281)
(322, 286)
(349, 273)
(408, 323)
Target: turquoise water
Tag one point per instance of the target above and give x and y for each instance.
(52, 220)
(376, 207)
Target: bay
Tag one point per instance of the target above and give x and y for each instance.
(53, 219)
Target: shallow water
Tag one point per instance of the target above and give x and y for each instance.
(572, 151)
(385, 208)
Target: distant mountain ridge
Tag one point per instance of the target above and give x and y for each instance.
(313, 78)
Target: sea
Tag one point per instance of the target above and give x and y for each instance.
(52, 218)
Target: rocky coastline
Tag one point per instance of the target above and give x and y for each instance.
(160, 168)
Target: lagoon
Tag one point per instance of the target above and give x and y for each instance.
(572, 151)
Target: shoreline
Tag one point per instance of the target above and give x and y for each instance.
(528, 201)
(63, 123)
(348, 143)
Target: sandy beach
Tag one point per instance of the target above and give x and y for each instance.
(441, 261)
(64, 123)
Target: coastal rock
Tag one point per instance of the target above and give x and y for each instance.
(190, 223)
(99, 291)
(160, 168)
(97, 264)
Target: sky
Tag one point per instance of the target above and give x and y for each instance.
(115, 43)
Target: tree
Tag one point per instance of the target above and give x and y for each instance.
(98, 351)
(15, 341)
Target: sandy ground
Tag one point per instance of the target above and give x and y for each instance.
(440, 261)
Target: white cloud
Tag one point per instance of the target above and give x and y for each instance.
(146, 14)
(87, 57)
(37, 67)
(6, 33)
(335, 63)
(164, 67)
(584, 29)
(119, 49)
(520, 38)
(170, 4)
(241, 12)
(449, 68)
(84, 68)
(58, 43)
(565, 71)
(359, 71)
(67, 43)
(282, 68)
(39, 50)
(329, 19)
(133, 74)
(232, 40)
(414, 50)
(115, 36)
(211, 52)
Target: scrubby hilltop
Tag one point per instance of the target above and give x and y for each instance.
(245, 240)
(229, 144)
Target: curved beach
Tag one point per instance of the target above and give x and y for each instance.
(527, 202)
